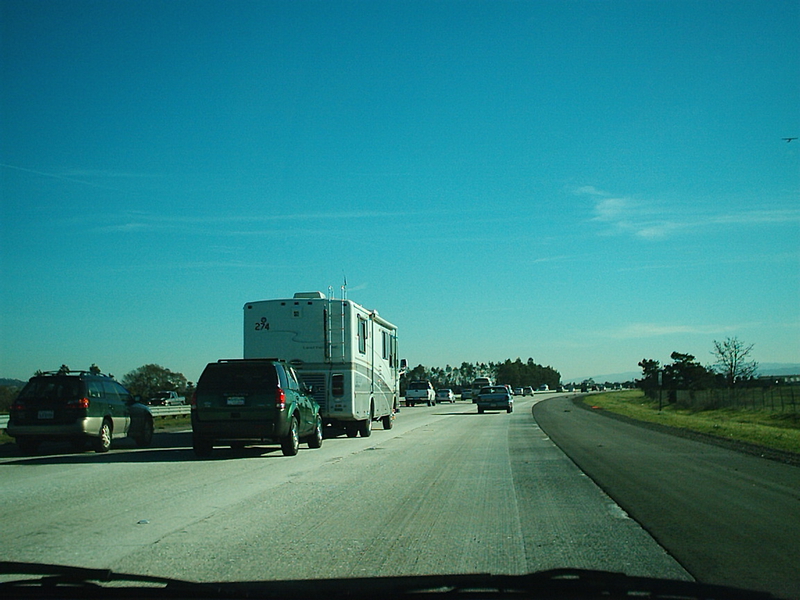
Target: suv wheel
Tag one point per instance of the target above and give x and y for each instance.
(103, 442)
(202, 447)
(291, 443)
(315, 439)
(144, 439)
(27, 445)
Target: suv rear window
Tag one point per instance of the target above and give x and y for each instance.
(418, 385)
(238, 376)
(53, 388)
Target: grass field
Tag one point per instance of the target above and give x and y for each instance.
(763, 428)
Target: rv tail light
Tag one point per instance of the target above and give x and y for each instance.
(280, 398)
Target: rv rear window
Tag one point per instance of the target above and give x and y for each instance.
(337, 385)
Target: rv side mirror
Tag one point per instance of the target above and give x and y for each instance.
(403, 365)
(308, 389)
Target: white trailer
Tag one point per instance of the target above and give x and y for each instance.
(345, 352)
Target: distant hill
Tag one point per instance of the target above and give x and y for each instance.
(764, 369)
(610, 377)
(779, 369)
(18, 383)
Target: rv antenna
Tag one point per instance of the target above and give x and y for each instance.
(344, 287)
(330, 293)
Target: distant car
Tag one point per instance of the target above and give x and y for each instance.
(420, 392)
(495, 397)
(241, 401)
(466, 393)
(478, 384)
(445, 395)
(79, 407)
(518, 391)
(527, 391)
(166, 398)
(543, 388)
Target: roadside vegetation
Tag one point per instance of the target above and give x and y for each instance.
(762, 427)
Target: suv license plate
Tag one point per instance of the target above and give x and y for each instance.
(46, 414)
(235, 401)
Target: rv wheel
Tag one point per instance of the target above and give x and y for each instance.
(365, 426)
(387, 421)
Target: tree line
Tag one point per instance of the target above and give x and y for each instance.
(515, 373)
(733, 367)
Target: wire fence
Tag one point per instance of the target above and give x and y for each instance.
(778, 399)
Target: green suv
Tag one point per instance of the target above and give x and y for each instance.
(242, 401)
(79, 407)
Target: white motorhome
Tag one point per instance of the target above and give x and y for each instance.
(345, 352)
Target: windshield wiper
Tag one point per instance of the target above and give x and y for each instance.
(562, 584)
(64, 575)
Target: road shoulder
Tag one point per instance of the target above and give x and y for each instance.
(728, 517)
(790, 458)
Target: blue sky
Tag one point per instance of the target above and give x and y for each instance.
(584, 183)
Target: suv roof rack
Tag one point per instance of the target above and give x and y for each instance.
(231, 360)
(74, 372)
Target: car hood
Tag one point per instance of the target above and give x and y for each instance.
(55, 581)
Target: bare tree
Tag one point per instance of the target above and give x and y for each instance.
(732, 360)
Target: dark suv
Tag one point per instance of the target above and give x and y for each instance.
(253, 400)
(77, 406)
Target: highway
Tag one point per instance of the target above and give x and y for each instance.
(444, 491)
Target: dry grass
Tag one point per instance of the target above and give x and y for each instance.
(780, 431)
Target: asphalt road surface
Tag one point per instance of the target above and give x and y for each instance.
(728, 517)
(445, 491)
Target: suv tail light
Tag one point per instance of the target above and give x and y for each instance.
(18, 406)
(78, 404)
(280, 398)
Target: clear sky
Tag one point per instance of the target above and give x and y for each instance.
(584, 183)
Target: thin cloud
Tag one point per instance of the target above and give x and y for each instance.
(647, 330)
(147, 222)
(622, 215)
(201, 266)
(590, 190)
(68, 178)
(82, 174)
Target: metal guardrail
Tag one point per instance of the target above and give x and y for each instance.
(158, 411)
(170, 411)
